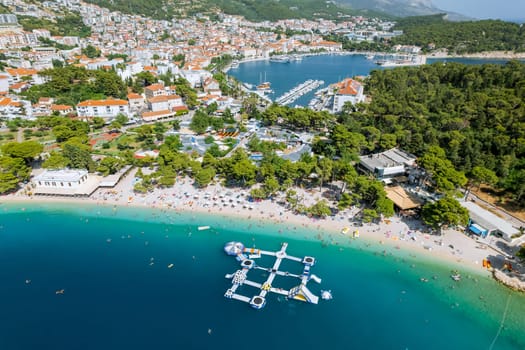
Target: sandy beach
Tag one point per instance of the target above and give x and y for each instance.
(407, 235)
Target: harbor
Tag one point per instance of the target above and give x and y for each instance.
(298, 91)
(246, 258)
(397, 60)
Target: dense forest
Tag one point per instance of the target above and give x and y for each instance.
(476, 113)
(271, 10)
(461, 37)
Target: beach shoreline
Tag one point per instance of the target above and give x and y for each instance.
(392, 236)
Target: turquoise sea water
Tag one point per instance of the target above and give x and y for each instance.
(329, 68)
(115, 299)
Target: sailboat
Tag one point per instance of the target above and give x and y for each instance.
(264, 87)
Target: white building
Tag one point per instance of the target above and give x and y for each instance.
(159, 103)
(63, 178)
(484, 223)
(387, 165)
(107, 109)
(348, 90)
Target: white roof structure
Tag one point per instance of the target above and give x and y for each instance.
(489, 221)
(388, 159)
(65, 182)
(61, 175)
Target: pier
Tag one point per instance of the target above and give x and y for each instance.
(298, 91)
(240, 277)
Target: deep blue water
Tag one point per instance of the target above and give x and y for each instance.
(329, 68)
(114, 299)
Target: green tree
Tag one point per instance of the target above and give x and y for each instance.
(444, 175)
(55, 161)
(26, 150)
(481, 175)
(200, 122)
(109, 165)
(324, 171)
(97, 122)
(369, 215)
(345, 201)
(142, 80)
(91, 51)
(446, 211)
(384, 206)
(292, 198)
(121, 119)
(12, 171)
(320, 209)
(270, 186)
(258, 193)
(204, 176)
(78, 155)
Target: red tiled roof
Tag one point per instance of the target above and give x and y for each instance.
(61, 107)
(155, 87)
(134, 96)
(109, 102)
(21, 71)
(348, 87)
(157, 113)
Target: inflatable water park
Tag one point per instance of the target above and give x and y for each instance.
(245, 256)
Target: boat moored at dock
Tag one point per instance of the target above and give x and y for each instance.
(280, 59)
(298, 91)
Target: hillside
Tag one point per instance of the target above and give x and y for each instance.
(461, 37)
(255, 10)
(400, 8)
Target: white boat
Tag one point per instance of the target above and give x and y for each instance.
(280, 59)
(202, 228)
(264, 87)
(326, 295)
(401, 61)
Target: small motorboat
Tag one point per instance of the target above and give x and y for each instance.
(326, 295)
(60, 291)
(202, 228)
(170, 266)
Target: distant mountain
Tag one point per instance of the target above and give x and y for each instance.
(401, 8)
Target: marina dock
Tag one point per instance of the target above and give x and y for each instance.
(298, 91)
(240, 277)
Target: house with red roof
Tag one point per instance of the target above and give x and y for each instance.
(348, 90)
(107, 109)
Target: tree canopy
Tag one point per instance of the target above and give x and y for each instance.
(461, 37)
(71, 85)
(446, 211)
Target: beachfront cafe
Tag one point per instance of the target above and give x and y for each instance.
(483, 223)
(406, 202)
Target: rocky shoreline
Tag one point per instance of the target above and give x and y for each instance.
(512, 282)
